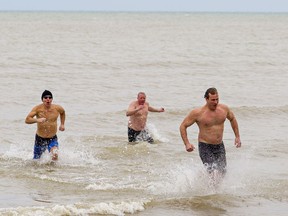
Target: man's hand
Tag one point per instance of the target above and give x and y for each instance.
(61, 127)
(41, 120)
(237, 142)
(189, 147)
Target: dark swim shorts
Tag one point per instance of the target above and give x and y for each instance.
(134, 136)
(41, 144)
(213, 156)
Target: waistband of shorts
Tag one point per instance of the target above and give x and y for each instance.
(133, 130)
(39, 137)
(202, 143)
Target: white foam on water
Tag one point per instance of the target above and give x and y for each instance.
(18, 150)
(68, 155)
(109, 186)
(190, 178)
(179, 179)
(113, 208)
(156, 134)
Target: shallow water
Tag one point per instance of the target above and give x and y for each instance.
(95, 64)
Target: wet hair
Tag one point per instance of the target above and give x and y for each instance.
(212, 91)
(46, 93)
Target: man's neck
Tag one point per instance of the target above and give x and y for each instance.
(47, 107)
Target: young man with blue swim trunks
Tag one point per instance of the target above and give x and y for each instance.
(46, 119)
(210, 119)
(138, 113)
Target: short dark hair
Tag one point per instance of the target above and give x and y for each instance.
(212, 91)
(46, 93)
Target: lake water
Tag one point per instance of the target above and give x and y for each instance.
(95, 64)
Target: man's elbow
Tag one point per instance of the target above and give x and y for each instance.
(28, 120)
(233, 121)
(182, 127)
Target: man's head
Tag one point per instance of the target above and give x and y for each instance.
(141, 98)
(46, 95)
(212, 98)
(210, 91)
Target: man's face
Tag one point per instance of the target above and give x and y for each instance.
(212, 101)
(47, 100)
(141, 99)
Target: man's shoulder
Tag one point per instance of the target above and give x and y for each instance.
(57, 107)
(223, 106)
(200, 109)
(133, 102)
(38, 107)
(197, 111)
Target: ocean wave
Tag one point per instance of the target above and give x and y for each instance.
(213, 204)
(264, 109)
(106, 208)
(103, 186)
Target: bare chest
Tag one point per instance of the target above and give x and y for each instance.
(142, 112)
(50, 115)
(209, 119)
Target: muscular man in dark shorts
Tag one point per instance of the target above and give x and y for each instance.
(210, 119)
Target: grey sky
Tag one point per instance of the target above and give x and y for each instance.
(147, 5)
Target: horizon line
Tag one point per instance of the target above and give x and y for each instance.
(140, 11)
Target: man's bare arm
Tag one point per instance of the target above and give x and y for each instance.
(30, 117)
(234, 124)
(187, 122)
(152, 109)
(62, 118)
(132, 110)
